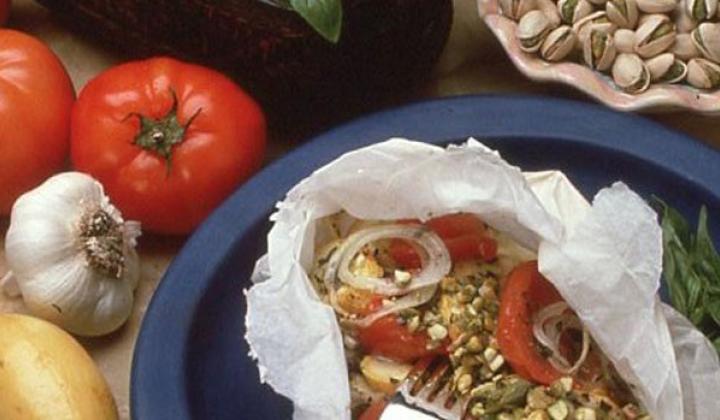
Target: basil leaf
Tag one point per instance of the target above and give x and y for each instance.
(325, 16)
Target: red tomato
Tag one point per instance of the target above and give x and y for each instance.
(36, 97)
(525, 291)
(388, 338)
(463, 235)
(454, 225)
(169, 140)
(374, 411)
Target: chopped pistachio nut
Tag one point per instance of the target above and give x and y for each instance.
(474, 344)
(464, 383)
(413, 324)
(477, 409)
(538, 415)
(496, 363)
(402, 278)
(584, 413)
(559, 410)
(561, 387)
(448, 284)
(490, 353)
(437, 332)
(483, 390)
(537, 398)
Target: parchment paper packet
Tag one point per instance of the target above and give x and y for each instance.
(605, 260)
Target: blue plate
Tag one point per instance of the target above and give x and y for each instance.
(191, 359)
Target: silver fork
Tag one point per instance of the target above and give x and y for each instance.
(426, 394)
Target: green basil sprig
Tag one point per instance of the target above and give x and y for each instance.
(325, 16)
(691, 270)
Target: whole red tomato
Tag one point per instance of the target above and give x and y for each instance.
(169, 140)
(36, 97)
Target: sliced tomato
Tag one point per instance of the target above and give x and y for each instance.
(454, 225)
(388, 338)
(461, 248)
(525, 291)
(375, 410)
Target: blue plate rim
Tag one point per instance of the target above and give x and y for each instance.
(158, 381)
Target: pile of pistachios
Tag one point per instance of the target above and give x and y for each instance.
(638, 41)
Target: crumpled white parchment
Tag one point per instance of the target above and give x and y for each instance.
(605, 260)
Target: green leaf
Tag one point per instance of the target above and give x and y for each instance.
(707, 256)
(712, 307)
(325, 16)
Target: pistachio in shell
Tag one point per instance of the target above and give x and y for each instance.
(532, 30)
(706, 38)
(630, 73)
(597, 21)
(684, 47)
(551, 11)
(599, 50)
(701, 10)
(665, 68)
(623, 13)
(515, 9)
(558, 44)
(657, 6)
(573, 10)
(703, 74)
(624, 41)
(655, 35)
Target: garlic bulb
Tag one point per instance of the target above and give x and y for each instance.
(72, 256)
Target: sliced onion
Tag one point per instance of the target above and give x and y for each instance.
(548, 326)
(434, 257)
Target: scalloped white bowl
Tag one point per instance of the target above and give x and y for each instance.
(660, 97)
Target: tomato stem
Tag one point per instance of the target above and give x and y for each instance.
(160, 135)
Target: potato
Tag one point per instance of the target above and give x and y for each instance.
(383, 375)
(46, 375)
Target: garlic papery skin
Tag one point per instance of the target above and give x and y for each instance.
(72, 255)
